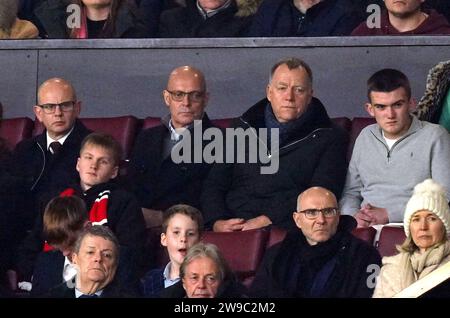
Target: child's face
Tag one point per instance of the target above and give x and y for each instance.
(95, 165)
(181, 234)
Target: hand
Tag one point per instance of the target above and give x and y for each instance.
(362, 218)
(256, 223)
(230, 225)
(153, 218)
(378, 215)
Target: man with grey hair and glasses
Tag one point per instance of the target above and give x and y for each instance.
(320, 257)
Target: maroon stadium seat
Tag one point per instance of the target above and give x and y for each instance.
(151, 122)
(343, 122)
(390, 236)
(223, 122)
(365, 233)
(358, 124)
(276, 235)
(243, 250)
(15, 130)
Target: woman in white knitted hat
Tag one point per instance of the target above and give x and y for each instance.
(426, 247)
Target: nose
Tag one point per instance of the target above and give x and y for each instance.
(391, 112)
(58, 110)
(290, 94)
(183, 238)
(97, 257)
(186, 99)
(423, 224)
(94, 164)
(320, 218)
(201, 283)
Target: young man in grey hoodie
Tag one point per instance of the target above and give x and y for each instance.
(392, 156)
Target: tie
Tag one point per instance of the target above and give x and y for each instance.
(55, 147)
(88, 296)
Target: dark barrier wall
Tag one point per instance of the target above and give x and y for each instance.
(121, 77)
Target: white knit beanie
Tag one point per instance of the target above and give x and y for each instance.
(429, 196)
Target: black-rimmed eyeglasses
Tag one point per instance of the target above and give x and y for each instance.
(195, 96)
(64, 106)
(314, 213)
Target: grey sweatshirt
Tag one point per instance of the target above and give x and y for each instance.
(386, 178)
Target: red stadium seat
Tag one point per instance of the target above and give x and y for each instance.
(365, 233)
(343, 122)
(358, 124)
(223, 122)
(276, 235)
(243, 250)
(151, 122)
(390, 237)
(15, 130)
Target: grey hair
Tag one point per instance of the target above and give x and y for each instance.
(100, 231)
(210, 251)
(8, 14)
(292, 63)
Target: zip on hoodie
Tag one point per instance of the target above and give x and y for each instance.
(389, 151)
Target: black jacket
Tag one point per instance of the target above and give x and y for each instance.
(313, 155)
(187, 22)
(35, 173)
(338, 267)
(47, 275)
(158, 182)
(125, 219)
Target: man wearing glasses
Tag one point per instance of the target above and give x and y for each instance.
(46, 163)
(320, 258)
(155, 178)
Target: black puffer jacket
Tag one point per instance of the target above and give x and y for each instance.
(312, 155)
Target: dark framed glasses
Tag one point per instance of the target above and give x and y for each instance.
(64, 106)
(195, 96)
(314, 213)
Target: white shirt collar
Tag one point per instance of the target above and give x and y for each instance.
(69, 270)
(60, 140)
(175, 133)
(78, 293)
(167, 281)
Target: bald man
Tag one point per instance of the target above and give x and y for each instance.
(156, 180)
(321, 258)
(42, 170)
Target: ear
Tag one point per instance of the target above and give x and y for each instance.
(75, 258)
(163, 239)
(38, 112)
(78, 164)
(369, 109)
(296, 217)
(115, 172)
(166, 96)
(206, 100)
(77, 108)
(412, 104)
(269, 92)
